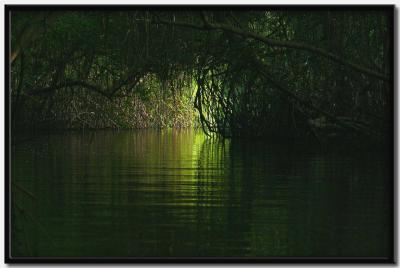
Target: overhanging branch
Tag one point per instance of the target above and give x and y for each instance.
(278, 43)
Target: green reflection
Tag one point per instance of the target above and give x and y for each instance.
(179, 193)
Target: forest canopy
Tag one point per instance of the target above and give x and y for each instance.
(238, 73)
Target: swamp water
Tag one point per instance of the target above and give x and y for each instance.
(178, 193)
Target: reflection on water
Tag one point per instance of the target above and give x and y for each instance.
(178, 193)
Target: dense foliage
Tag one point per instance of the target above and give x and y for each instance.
(247, 73)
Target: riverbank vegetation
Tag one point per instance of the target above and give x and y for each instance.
(236, 73)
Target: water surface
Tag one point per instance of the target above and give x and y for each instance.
(177, 193)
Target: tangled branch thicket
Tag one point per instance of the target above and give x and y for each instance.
(247, 73)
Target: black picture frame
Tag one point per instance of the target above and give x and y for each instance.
(320, 260)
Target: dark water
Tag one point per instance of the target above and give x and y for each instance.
(177, 193)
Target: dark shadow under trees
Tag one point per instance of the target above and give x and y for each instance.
(323, 74)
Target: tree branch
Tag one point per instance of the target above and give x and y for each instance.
(70, 83)
(277, 43)
(132, 79)
(30, 32)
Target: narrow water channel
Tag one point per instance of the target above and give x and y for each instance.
(179, 193)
